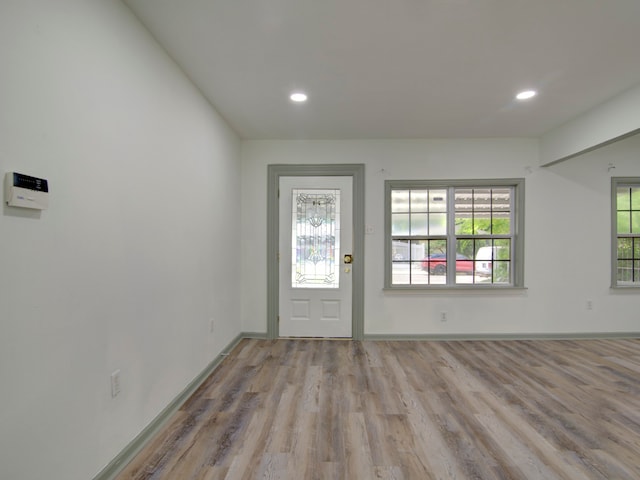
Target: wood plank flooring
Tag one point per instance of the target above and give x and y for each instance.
(331, 409)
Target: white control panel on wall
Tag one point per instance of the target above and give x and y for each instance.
(25, 191)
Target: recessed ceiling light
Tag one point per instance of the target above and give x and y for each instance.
(298, 97)
(526, 94)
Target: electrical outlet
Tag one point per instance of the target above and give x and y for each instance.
(115, 383)
(443, 316)
(589, 304)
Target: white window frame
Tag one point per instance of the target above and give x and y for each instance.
(615, 183)
(516, 236)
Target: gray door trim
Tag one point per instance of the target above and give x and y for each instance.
(274, 172)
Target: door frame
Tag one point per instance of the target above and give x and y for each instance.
(274, 172)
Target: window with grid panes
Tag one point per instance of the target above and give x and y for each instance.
(454, 233)
(626, 228)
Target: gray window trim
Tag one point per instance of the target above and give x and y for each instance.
(518, 237)
(615, 183)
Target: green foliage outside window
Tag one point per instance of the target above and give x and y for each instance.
(483, 226)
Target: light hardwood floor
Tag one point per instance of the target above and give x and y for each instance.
(330, 409)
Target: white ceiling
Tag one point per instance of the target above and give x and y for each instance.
(400, 68)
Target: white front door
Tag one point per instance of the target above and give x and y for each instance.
(316, 231)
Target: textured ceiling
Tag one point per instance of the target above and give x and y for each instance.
(401, 68)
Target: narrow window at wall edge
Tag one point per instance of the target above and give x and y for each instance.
(625, 232)
(454, 234)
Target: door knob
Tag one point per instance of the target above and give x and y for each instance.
(348, 258)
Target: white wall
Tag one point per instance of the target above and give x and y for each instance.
(608, 122)
(567, 235)
(137, 250)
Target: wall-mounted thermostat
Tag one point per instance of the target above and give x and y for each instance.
(25, 191)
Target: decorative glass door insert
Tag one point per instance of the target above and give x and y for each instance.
(315, 252)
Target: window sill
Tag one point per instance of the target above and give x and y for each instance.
(457, 291)
(625, 289)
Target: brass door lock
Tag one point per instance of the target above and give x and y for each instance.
(348, 258)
